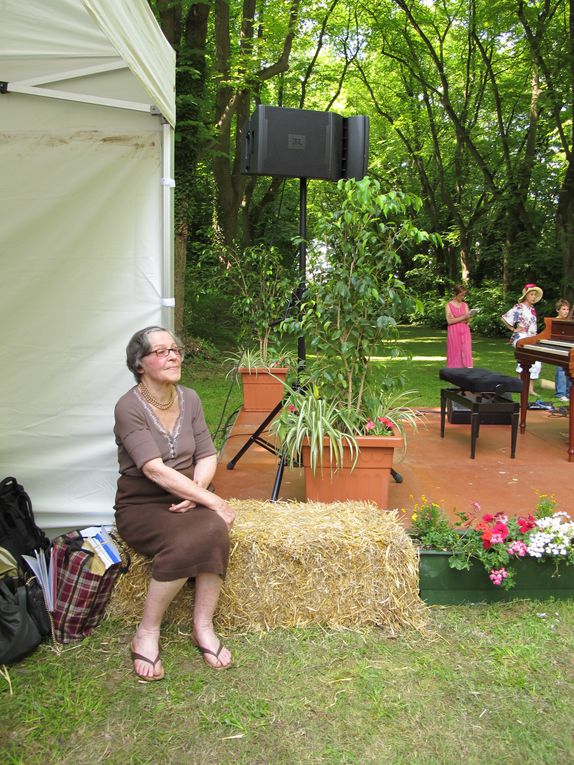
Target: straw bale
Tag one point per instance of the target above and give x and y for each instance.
(341, 565)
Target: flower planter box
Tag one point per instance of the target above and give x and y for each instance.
(441, 585)
(262, 391)
(367, 482)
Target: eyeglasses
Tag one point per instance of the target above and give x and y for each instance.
(163, 353)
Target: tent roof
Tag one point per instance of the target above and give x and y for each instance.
(67, 48)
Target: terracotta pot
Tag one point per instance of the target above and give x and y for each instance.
(367, 482)
(261, 390)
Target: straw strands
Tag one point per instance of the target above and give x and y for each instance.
(341, 565)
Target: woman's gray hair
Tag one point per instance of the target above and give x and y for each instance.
(140, 346)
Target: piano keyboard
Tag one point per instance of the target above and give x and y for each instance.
(556, 346)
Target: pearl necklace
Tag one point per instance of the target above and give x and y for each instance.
(153, 401)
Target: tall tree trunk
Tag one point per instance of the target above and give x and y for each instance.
(565, 223)
(565, 211)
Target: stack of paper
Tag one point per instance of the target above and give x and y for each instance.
(45, 573)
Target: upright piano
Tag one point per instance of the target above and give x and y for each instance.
(554, 345)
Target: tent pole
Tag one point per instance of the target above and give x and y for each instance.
(168, 184)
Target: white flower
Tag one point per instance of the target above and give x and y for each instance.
(553, 537)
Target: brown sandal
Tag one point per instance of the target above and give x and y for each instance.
(205, 651)
(147, 678)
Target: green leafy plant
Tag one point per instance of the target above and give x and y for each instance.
(496, 541)
(307, 418)
(253, 359)
(349, 313)
(260, 284)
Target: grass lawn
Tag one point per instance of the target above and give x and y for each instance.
(425, 354)
(426, 349)
(486, 684)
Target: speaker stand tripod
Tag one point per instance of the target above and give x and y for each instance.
(257, 438)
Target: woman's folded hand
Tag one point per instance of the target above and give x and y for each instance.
(181, 507)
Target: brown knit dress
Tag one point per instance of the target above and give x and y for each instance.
(181, 544)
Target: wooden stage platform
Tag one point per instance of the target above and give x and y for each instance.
(439, 469)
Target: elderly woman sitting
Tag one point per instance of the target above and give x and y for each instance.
(163, 506)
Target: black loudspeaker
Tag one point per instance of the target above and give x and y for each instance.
(301, 143)
(355, 147)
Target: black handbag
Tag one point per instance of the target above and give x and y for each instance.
(37, 607)
(19, 635)
(18, 530)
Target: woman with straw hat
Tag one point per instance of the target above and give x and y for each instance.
(521, 320)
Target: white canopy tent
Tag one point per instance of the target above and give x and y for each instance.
(87, 109)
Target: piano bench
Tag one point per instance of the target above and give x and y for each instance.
(486, 395)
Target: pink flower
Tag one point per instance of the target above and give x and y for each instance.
(517, 548)
(292, 408)
(369, 425)
(386, 422)
(498, 575)
(488, 518)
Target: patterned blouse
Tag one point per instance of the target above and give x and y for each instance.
(523, 315)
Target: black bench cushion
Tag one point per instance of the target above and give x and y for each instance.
(477, 380)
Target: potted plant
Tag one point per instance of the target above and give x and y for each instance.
(485, 557)
(261, 286)
(349, 312)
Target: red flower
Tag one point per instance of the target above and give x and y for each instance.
(526, 524)
(488, 518)
(493, 536)
(500, 529)
(486, 537)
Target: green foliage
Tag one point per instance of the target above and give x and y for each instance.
(258, 285)
(208, 314)
(253, 360)
(349, 312)
(490, 301)
(464, 111)
(488, 298)
(308, 418)
(354, 296)
(431, 527)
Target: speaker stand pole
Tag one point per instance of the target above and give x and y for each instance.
(301, 351)
(256, 437)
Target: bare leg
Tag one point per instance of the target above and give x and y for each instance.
(207, 589)
(146, 639)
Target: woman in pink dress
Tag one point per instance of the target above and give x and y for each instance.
(458, 342)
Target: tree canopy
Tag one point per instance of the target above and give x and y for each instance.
(470, 105)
